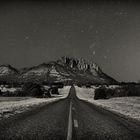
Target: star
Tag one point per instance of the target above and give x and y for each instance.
(108, 51)
(96, 31)
(69, 36)
(105, 57)
(64, 36)
(61, 17)
(121, 13)
(80, 10)
(82, 31)
(92, 45)
(94, 53)
(58, 23)
(26, 37)
(91, 27)
(34, 30)
(112, 36)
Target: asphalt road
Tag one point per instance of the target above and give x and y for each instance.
(50, 122)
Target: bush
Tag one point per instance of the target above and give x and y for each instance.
(119, 92)
(132, 90)
(6, 94)
(122, 91)
(110, 92)
(54, 90)
(58, 85)
(20, 93)
(79, 85)
(0, 93)
(88, 86)
(47, 93)
(32, 89)
(100, 93)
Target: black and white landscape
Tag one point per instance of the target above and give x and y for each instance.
(69, 70)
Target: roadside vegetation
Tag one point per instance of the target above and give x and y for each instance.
(30, 89)
(104, 92)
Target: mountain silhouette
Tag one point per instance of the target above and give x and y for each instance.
(65, 69)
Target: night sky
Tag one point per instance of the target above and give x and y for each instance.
(107, 33)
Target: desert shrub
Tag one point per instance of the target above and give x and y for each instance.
(122, 91)
(119, 92)
(32, 89)
(135, 91)
(79, 85)
(20, 93)
(6, 94)
(132, 90)
(88, 85)
(58, 85)
(109, 92)
(54, 90)
(100, 93)
(47, 93)
(0, 93)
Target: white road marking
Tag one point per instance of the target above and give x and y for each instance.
(75, 123)
(69, 132)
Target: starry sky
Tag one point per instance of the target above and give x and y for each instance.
(105, 32)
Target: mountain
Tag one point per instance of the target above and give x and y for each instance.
(8, 73)
(65, 69)
(7, 70)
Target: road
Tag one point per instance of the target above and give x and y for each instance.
(66, 119)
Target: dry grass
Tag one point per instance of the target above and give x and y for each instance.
(6, 99)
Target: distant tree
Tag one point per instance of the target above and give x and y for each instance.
(47, 93)
(100, 93)
(0, 93)
(54, 90)
(33, 89)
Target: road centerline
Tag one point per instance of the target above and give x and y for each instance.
(75, 123)
(69, 132)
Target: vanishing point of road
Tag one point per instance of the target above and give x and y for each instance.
(69, 119)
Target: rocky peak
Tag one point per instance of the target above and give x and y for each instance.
(81, 64)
